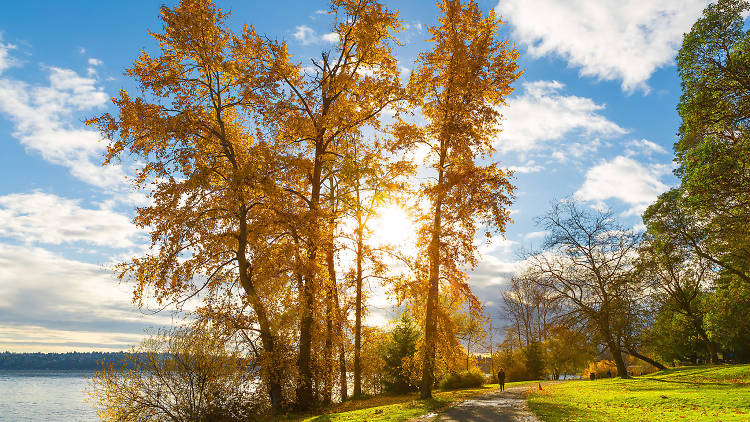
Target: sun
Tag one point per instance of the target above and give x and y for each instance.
(393, 226)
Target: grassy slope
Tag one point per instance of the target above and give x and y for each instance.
(708, 393)
(396, 407)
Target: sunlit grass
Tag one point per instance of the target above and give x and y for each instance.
(708, 393)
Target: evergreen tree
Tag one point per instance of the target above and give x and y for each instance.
(534, 360)
(401, 345)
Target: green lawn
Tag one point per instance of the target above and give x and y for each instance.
(705, 393)
(396, 407)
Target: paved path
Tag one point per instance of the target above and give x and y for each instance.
(506, 406)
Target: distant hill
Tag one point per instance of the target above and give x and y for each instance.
(59, 361)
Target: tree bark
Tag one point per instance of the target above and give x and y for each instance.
(632, 352)
(358, 312)
(269, 366)
(342, 370)
(304, 391)
(428, 361)
(622, 370)
(710, 345)
(329, 361)
(334, 300)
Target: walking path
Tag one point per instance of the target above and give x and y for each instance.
(506, 406)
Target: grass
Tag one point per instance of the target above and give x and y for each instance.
(706, 393)
(396, 407)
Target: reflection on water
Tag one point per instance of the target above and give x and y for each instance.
(45, 396)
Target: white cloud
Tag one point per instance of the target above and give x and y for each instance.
(529, 167)
(44, 116)
(331, 37)
(5, 60)
(48, 302)
(94, 62)
(626, 179)
(46, 218)
(542, 114)
(536, 235)
(645, 147)
(625, 40)
(306, 36)
(417, 26)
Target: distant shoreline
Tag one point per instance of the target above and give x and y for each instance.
(73, 361)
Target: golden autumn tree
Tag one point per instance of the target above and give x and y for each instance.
(347, 91)
(210, 173)
(459, 84)
(371, 178)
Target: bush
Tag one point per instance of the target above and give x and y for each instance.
(600, 368)
(463, 379)
(181, 375)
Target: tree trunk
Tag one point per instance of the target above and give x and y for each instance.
(492, 360)
(334, 299)
(429, 342)
(632, 352)
(305, 399)
(272, 377)
(428, 361)
(329, 361)
(710, 345)
(342, 348)
(614, 348)
(467, 356)
(358, 314)
(342, 370)
(304, 364)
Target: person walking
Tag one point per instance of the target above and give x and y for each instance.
(501, 379)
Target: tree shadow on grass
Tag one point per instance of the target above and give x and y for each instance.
(556, 411)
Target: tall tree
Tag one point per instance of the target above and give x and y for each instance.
(713, 150)
(348, 89)
(459, 84)
(209, 173)
(678, 275)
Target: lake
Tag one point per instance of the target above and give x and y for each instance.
(45, 396)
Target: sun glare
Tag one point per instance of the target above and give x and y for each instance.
(393, 226)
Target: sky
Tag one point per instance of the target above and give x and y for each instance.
(593, 117)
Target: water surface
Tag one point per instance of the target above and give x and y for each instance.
(45, 396)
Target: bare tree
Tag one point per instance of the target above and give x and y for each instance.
(586, 265)
(531, 308)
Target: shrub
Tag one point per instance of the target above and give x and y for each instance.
(463, 379)
(600, 368)
(182, 375)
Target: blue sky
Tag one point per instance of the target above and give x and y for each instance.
(593, 117)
